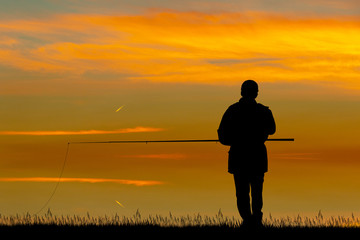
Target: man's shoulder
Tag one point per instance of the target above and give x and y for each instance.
(233, 107)
(263, 107)
(238, 105)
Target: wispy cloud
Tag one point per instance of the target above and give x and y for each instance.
(237, 61)
(84, 180)
(83, 132)
(336, 4)
(171, 46)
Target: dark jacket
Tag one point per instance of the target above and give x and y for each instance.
(245, 127)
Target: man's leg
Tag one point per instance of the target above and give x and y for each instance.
(242, 186)
(256, 197)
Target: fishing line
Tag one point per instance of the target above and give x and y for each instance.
(58, 182)
(133, 141)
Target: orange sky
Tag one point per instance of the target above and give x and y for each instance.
(194, 47)
(170, 73)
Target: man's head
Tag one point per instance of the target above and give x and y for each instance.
(249, 89)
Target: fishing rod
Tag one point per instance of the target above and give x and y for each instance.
(136, 141)
(175, 141)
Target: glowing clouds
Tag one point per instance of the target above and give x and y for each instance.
(173, 46)
(82, 132)
(84, 180)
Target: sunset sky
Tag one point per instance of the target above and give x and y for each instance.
(152, 70)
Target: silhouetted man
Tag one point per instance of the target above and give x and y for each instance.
(245, 127)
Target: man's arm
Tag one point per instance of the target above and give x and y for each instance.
(271, 126)
(224, 130)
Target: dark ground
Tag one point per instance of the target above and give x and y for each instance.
(125, 232)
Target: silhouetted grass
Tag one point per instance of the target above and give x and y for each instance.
(196, 224)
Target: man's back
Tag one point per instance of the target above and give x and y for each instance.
(246, 125)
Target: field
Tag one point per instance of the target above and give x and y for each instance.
(191, 225)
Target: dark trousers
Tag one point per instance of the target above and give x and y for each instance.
(249, 211)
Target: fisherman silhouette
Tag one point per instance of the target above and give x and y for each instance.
(245, 127)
